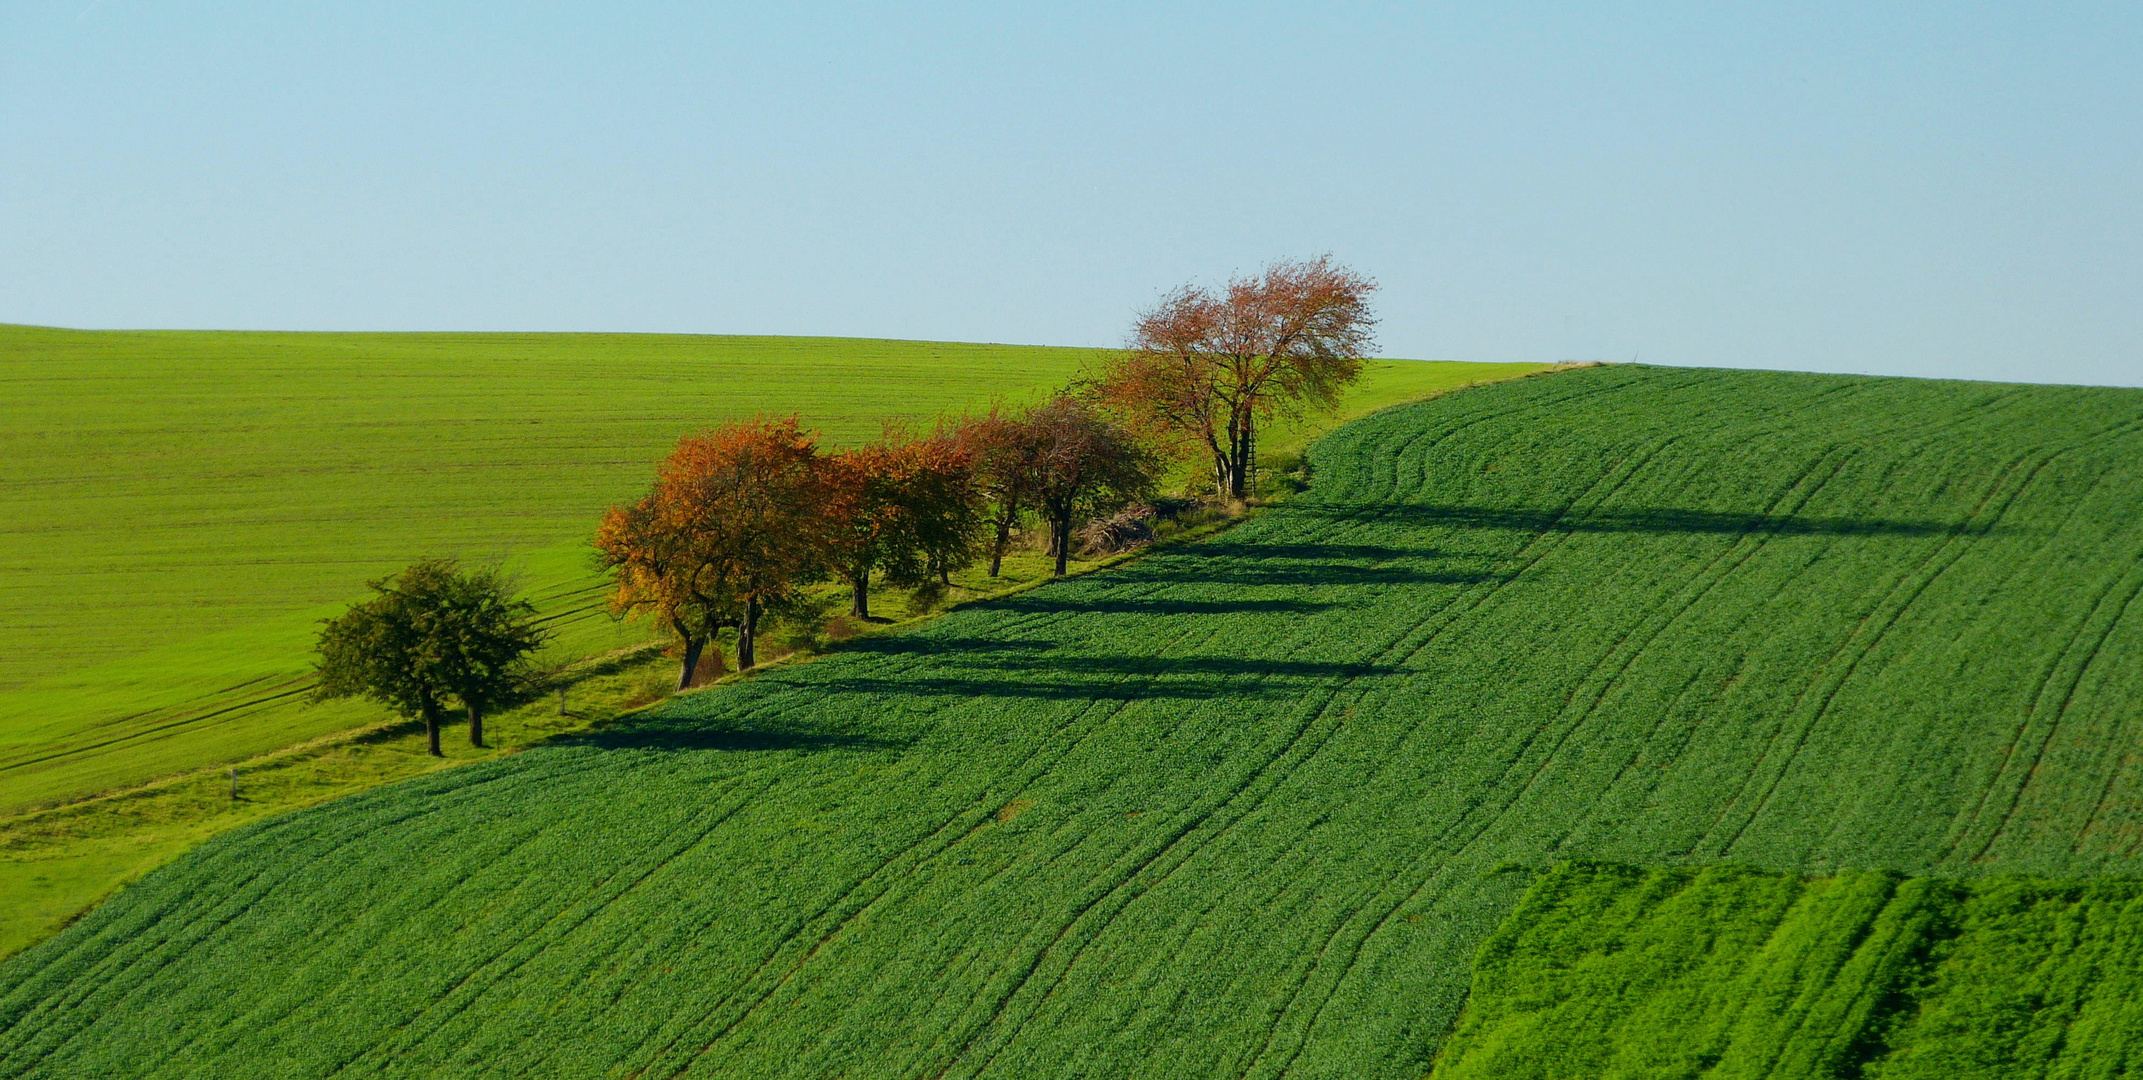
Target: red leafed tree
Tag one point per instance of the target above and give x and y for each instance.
(1005, 450)
(734, 524)
(1086, 464)
(946, 511)
(1207, 369)
(902, 505)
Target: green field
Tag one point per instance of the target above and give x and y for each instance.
(179, 509)
(1244, 808)
(1608, 971)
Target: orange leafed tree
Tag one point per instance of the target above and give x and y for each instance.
(946, 510)
(735, 523)
(903, 505)
(1207, 370)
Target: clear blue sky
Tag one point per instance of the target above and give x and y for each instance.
(1906, 188)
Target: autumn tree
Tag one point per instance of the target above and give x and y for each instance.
(946, 510)
(1005, 449)
(735, 524)
(865, 518)
(432, 635)
(1086, 464)
(1208, 370)
(904, 506)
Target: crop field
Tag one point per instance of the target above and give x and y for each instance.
(1244, 808)
(1609, 971)
(178, 509)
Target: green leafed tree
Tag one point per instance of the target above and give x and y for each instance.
(433, 637)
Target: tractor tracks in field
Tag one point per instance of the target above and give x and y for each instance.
(1311, 733)
(2067, 667)
(1438, 850)
(1857, 645)
(843, 911)
(129, 973)
(519, 948)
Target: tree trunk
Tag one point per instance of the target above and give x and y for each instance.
(476, 725)
(693, 645)
(859, 594)
(1062, 527)
(1004, 536)
(1238, 457)
(746, 657)
(430, 711)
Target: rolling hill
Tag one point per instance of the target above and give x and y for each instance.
(1245, 808)
(178, 510)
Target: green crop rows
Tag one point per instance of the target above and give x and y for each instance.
(1244, 808)
(178, 510)
(1608, 972)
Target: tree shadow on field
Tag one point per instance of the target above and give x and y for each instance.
(1230, 667)
(1657, 519)
(1109, 678)
(1325, 553)
(1166, 606)
(920, 645)
(1254, 571)
(1010, 685)
(682, 737)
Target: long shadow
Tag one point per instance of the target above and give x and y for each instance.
(681, 737)
(1113, 606)
(1659, 519)
(1191, 665)
(1253, 573)
(1313, 552)
(919, 645)
(1046, 689)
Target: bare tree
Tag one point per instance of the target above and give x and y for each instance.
(1207, 370)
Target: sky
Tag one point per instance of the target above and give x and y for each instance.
(1919, 189)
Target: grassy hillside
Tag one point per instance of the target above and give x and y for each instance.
(1608, 971)
(1245, 808)
(178, 510)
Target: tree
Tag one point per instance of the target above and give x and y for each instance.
(659, 573)
(490, 634)
(433, 633)
(1207, 370)
(903, 505)
(1006, 452)
(1086, 464)
(735, 523)
(865, 515)
(946, 511)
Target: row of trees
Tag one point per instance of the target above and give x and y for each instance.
(742, 518)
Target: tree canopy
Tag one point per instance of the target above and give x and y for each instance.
(1086, 464)
(736, 522)
(1206, 369)
(904, 505)
(1006, 454)
(433, 634)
